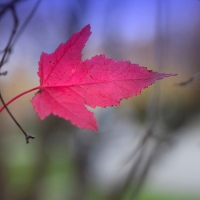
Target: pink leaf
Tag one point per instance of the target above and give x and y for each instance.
(67, 83)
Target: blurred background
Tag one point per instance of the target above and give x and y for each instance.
(146, 149)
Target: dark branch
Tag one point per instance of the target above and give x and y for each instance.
(13, 118)
(191, 79)
(12, 39)
(7, 49)
(6, 6)
(15, 35)
(24, 25)
(3, 73)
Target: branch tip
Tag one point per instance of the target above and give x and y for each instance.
(3, 73)
(29, 137)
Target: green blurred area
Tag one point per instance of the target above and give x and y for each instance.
(54, 176)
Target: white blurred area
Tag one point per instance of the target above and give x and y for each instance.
(175, 171)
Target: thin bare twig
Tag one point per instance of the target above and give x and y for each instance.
(7, 49)
(6, 6)
(15, 35)
(12, 39)
(143, 174)
(24, 25)
(13, 118)
(190, 80)
(3, 73)
(152, 116)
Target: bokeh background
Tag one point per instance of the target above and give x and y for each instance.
(148, 148)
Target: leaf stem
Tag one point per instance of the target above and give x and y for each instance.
(19, 95)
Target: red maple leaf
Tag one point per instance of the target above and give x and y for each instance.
(68, 84)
